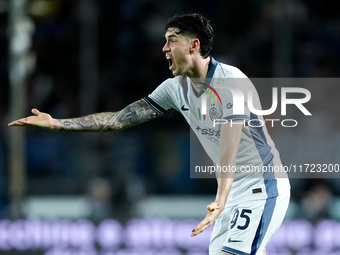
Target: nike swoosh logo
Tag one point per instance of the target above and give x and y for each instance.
(234, 241)
(184, 109)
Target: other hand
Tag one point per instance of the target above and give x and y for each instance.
(39, 119)
(214, 210)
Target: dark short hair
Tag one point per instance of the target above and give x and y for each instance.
(194, 25)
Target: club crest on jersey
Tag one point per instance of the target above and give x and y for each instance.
(202, 112)
(213, 113)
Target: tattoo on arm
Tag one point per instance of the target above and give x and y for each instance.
(133, 114)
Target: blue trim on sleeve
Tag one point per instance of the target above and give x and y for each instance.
(154, 106)
(266, 155)
(237, 117)
(263, 225)
(233, 251)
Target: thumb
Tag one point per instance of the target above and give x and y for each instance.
(213, 206)
(35, 111)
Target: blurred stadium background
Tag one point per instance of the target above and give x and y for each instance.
(131, 192)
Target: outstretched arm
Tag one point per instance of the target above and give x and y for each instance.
(229, 144)
(133, 114)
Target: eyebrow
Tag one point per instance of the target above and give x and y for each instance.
(169, 36)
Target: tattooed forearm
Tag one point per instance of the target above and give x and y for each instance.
(133, 114)
(87, 123)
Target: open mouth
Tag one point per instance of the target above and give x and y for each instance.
(170, 63)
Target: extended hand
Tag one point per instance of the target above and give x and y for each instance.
(40, 119)
(214, 210)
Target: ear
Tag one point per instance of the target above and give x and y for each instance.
(195, 45)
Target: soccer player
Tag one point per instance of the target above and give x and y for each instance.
(249, 208)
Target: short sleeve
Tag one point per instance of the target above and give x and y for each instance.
(161, 99)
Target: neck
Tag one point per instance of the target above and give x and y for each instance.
(200, 72)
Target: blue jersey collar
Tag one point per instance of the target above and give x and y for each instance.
(212, 67)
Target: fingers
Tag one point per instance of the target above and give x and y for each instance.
(203, 225)
(24, 121)
(214, 210)
(20, 122)
(16, 123)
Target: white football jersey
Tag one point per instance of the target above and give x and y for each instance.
(215, 104)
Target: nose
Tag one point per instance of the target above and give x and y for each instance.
(166, 47)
